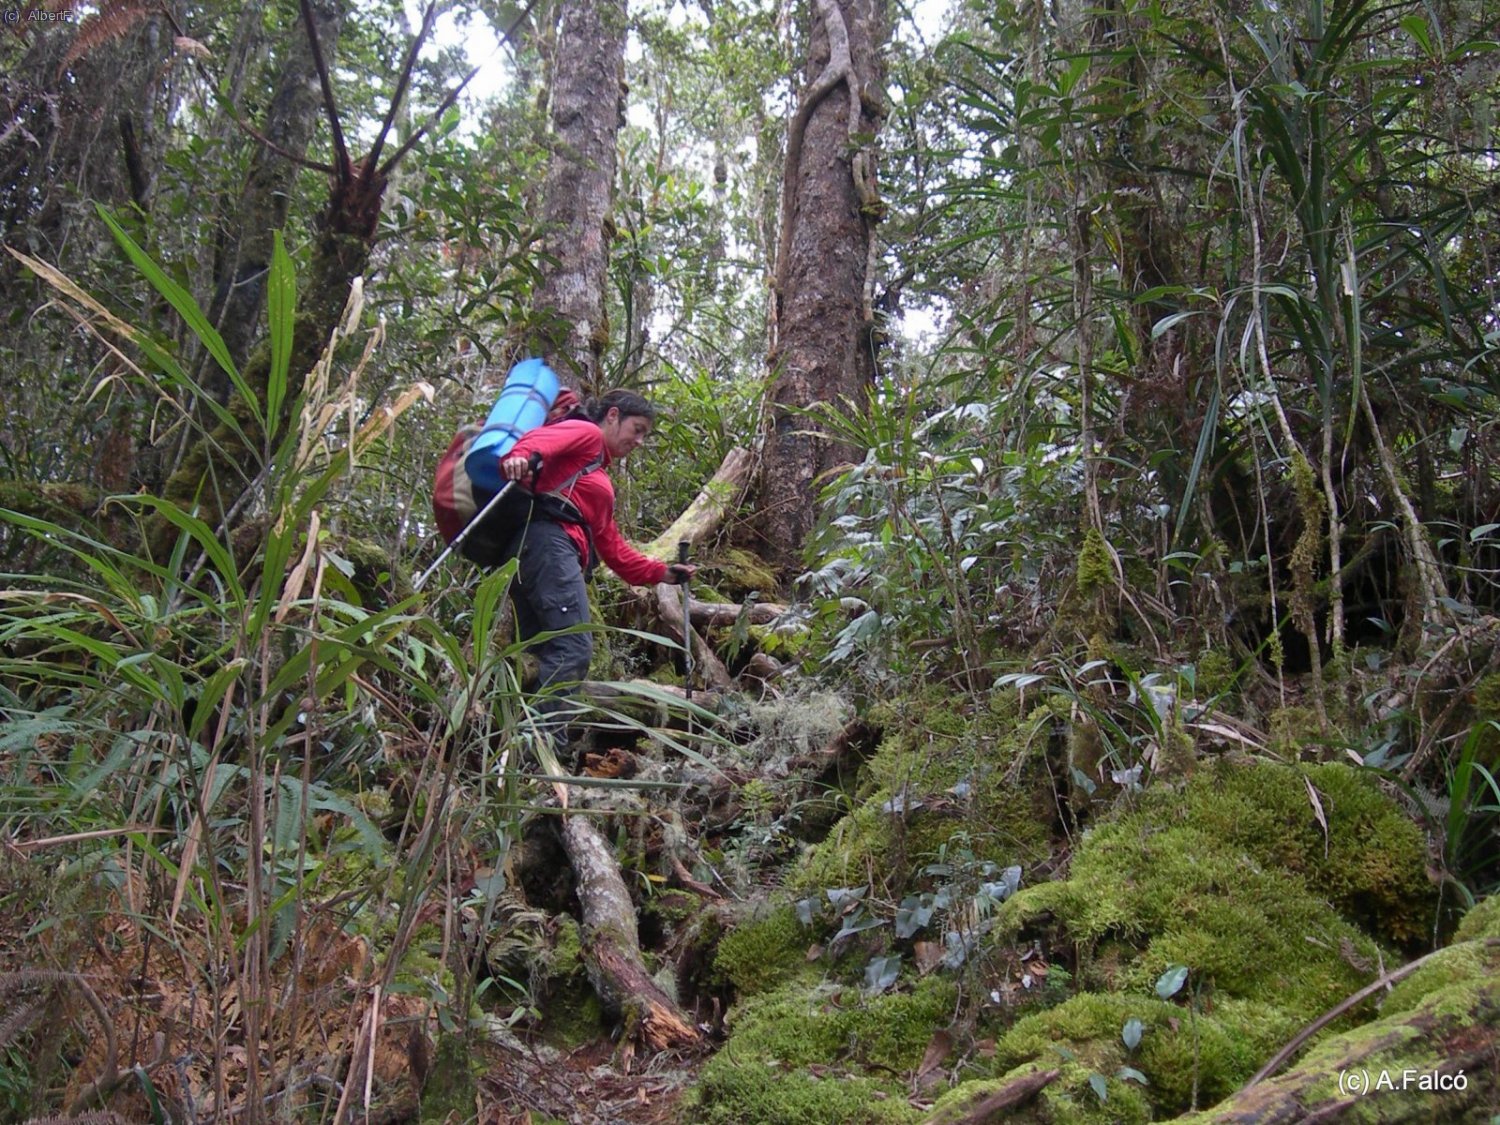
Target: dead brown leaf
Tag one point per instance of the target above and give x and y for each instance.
(1317, 804)
(930, 1072)
(928, 954)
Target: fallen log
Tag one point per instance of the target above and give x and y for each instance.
(719, 614)
(611, 946)
(708, 669)
(701, 519)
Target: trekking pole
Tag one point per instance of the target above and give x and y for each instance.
(687, 620)
(458, 540)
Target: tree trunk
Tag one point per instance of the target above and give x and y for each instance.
(220, 465)
(569, 325)
(83, 116)
(243, 257)
(822, 350)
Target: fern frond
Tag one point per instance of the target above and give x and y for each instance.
(113, 20)
(21, 978)
(18, 1019)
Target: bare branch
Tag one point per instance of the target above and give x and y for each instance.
(403, 81)
(447, 102)
(340, 150)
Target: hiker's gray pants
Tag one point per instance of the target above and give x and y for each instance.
(550, 594)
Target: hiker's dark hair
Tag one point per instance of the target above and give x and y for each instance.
(628, 403)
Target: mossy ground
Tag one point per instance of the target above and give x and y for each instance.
(573, 1013)
(940, 774)
(1233, 876)
(1283, 888)
(760, 954)
(824, 1056)
(1429, 1025)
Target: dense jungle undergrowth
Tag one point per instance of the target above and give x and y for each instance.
(279, 832)
(1119, 746)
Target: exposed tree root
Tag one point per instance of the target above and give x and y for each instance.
(993, 1107)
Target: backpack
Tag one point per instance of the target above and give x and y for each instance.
(457, 498)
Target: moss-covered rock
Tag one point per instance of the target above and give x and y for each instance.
(1429, 1056)
(767, 1094)
(744, 572)
(1232, 835)
(940, 773)
(1070, 1100)
(448, 1093)
(1194, 1055)
(1481, 922)
(572, 1013)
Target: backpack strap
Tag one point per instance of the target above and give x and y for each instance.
(556, 504)
(567, 485)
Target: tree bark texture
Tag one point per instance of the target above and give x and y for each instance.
(570, 325)
(243, 256)
(822, 350)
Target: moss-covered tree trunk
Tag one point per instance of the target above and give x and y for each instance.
(570, 326)
(822, 350)
(222, 463)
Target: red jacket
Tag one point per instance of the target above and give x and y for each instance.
(566, 447)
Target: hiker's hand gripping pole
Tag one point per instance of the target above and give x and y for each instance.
(534, 466)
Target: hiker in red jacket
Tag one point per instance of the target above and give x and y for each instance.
(572, 527)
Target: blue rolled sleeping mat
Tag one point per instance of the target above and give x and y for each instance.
(529, 392)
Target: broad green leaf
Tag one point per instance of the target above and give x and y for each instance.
(1167, 323)
(881, 973)
(1415, 26)
(281, 316)
(1100, 1086)
(187, 308)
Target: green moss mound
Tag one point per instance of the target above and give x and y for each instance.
(1233, 877)
(1440, 1021)
(761, 954)
(829, 1056)
(940, 773)
(1481, 922)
